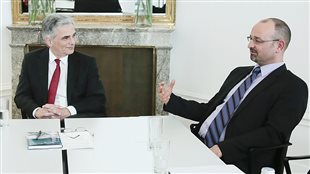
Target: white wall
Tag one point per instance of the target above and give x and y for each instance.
(210, 40)
(5, 51)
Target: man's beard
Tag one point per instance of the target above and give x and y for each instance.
(253, 55)
(253, 58)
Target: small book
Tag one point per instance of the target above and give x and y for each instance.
(43, 140)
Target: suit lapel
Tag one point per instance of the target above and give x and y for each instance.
(232, 82)
(73, 66)
(229, 83)
(269, 80)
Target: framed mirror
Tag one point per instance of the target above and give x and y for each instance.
(163, 13)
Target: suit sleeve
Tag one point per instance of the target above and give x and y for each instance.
(186, 108)
(199, 111)
(24, 97)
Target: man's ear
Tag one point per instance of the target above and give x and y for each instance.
(281, 45)
(48, 41)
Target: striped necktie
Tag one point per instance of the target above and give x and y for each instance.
(222, 118)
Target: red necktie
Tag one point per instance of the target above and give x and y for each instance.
(54, 83)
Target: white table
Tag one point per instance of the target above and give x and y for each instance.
(121, 145)
(16, 158)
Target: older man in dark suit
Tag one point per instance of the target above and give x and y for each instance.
(58, 82)
(257, 106)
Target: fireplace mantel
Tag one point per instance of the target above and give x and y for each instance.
(106, 35)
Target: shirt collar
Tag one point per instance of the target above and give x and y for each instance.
(267, 69)
(52, 57)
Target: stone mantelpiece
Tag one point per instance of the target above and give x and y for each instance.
(156, 36)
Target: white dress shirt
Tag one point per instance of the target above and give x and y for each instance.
(265, 71)
(61, 94)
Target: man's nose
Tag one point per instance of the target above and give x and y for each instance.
(72, 40)
(250, 44)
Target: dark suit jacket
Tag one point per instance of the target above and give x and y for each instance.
(266, 117)
(84, 89)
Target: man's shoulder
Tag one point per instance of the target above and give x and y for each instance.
(37, 52)
(242, 70)
(292, 79)
(81, 56)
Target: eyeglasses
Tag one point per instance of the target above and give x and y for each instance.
(75, 133)
(259, 41)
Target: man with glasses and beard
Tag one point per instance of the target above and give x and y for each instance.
(257, 106)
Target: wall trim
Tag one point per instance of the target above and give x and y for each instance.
(5, 89)
(192, 95)
(305, 122)
(6, 92)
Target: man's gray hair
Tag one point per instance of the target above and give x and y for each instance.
(52, 21)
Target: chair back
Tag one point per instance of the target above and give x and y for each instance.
(260, 157)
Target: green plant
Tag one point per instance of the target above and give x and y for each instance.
(39, 9)
(144, 13)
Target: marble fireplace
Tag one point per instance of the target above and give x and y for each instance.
(156, 38)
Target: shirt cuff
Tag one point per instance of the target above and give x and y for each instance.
(72, 110)
(34, 111)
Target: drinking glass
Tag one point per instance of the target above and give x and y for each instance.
(161, 150)
(155, 129)
(4, 112)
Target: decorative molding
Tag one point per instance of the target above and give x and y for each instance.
(305, 122)
(168, 18)
(192, 95)
(5, 89)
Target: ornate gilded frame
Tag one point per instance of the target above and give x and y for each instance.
(117, 19)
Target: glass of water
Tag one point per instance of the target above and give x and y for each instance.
(4, 112)
(161, 149)
(155, 129)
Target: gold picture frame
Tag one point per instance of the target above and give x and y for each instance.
(168, 18)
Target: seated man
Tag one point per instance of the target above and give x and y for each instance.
(257, 106)
(56, 81)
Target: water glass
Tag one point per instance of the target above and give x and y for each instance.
(4, 112)
(155, 129)
(161, 150)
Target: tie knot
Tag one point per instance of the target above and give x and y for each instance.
(57, 61)
(256, 71)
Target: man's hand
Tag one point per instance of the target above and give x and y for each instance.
(43, 113)
(57, 111)
(216, 150)
(164, 92)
